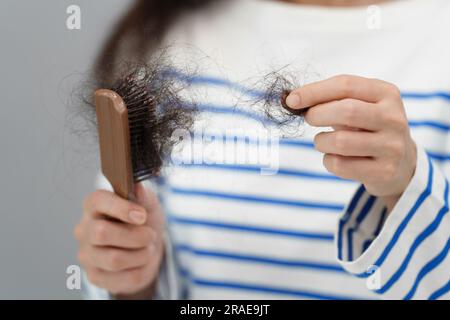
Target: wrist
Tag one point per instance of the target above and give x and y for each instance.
(391, 200)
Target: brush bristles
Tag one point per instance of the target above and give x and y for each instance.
(141, 108)
(155, 111)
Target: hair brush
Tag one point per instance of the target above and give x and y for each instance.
(136, 118)
(138, 114)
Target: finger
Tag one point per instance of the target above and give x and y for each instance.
(339, 127)
(95, 276)
(113, 259)
(345, 113)
(351, 168)
(120, 235)
(145, 197)
(120, 282)
(348, 143)
(78, 232)
(103, 202)
(149, 199)
(337, 88)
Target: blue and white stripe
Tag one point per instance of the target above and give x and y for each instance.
(235, 233)
(236, 238)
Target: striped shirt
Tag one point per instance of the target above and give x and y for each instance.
(251, 215)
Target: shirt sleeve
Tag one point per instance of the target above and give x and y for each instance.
(168, 284)
(403, 254)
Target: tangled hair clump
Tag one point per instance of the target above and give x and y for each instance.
(270, 96)
(159, 103)
(156, 108)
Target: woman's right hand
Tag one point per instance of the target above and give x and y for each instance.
(121, 243)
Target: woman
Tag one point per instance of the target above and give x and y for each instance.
(235, 233)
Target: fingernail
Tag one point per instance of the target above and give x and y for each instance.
(137, 216)
(293, 100)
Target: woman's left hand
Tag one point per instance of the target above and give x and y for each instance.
(371, 142)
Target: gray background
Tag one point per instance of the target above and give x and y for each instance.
(45, 169)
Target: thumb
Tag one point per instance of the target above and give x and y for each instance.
(145, 197)
(149, 200)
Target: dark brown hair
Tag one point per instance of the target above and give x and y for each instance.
(141, 30)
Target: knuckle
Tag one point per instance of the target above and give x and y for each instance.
(401, 123)
(95, 197)
(100, 232)
(387, 117)
(396, 120)
(89, 202)
(148, 236)
(346, 83)
(340, 140)
(350, 112)
(92, 200)
(109, 202)
(393, 90)
(115, 260)
(396, 148)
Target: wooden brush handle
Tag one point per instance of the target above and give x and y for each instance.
(114, 140)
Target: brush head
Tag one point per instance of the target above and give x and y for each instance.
(142, 122)
(152, 108)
